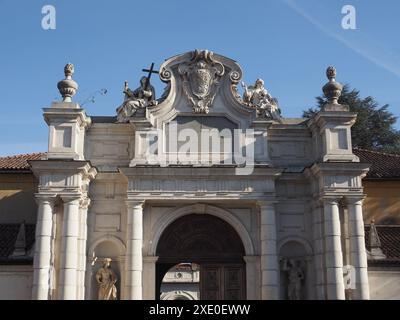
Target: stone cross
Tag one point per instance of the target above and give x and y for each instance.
(150, 71)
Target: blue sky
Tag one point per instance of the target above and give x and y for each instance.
(288, 43)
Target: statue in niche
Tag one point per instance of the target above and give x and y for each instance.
(106, 279)
(295, 276)
(258, 97)
(137, 99)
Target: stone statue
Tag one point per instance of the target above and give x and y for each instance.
(295, 277)
(106, 280)
(137, 99)
(258, 97)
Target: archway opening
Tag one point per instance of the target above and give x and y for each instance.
(211, 244)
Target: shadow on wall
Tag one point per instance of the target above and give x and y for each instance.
(17, 206)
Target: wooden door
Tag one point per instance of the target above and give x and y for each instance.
(222, 282)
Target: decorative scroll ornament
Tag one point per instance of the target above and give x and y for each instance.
(201, 77)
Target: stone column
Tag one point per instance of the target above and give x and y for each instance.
(149, 277)
(358, 254)
(269, 258)
(134, 242)
(318, 252)
(42, 255)
(67, 287)
(252, 277)
(333, 251)
(84, 205)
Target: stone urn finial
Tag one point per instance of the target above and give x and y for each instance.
(332, 90)
(68, 86)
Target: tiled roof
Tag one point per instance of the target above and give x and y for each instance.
(8, 235)
(383, 165)
(19, 162)
(390, 244)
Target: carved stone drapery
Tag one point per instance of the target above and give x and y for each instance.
(201, 77)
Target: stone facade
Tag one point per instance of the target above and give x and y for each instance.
(294, 195)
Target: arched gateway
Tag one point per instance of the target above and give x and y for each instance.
(214, 245)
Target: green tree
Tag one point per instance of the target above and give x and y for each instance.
(374, 127)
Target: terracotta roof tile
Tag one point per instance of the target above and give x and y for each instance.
(383, 165)
(19, 162)
(390, 244)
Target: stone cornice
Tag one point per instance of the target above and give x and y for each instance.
(63, 166)
(199, 183)
(322, 118)
(350, 168)
(60, 110)
(197, 172)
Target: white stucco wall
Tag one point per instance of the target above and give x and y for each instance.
(16, 282)
(384, 285)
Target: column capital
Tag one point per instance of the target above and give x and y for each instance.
(354, 199)
(334, 200)
(132, 203)
(150, 259)
(69, 198)
(267, 203)
(45, 197)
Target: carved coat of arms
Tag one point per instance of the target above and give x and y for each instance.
(201, 77)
